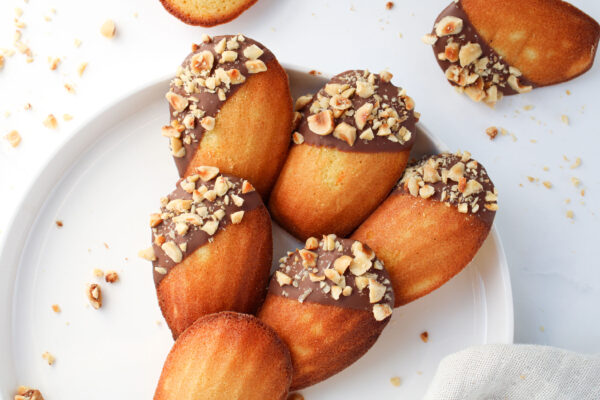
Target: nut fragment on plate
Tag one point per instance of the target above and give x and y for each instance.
(50, 122)
(50, 359)
(26, 393)
(13, 137)
(108, 29)
(111, 277)
(492, 132)
(94, 294)
(424, 336)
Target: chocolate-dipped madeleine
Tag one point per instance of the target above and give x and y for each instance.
(491, 48)
(212, 248)
(433, 223)
(329, 302)
(226, 356)
(349, 150)
(231, 107)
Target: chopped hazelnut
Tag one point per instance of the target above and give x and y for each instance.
(108, 29)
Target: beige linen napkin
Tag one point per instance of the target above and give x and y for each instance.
(516, 372)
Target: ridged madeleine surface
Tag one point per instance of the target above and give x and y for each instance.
(228, 274)
(422, 243)
(550, 41)
(206, 12)
(226, 356)
(323, 340)
(323, 190)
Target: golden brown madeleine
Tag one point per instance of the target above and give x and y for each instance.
(350, 149)
(212, 248)
(432, 224)
(329, 302)
(226, 356)
(206, 12)
(231, 107)
(491, 48)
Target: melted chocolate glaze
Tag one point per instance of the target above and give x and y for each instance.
(387, 91)
(208, 101)
(315, 292)
(447, 161)
(195, 237)
(469, 34)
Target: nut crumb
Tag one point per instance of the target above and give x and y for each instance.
(13, 137)
(395, 381)
(56, 308)
(53, 63)
(424, 336)
(492, 132)
(389, 5)
(50, 359)
(528, 107)
(94, 294)
(108, 29)
(565, 119)
(570, 214)
(70, 88)
(25, 393)
(81, 68)
(548, 184)
(59, 223)
(98, 273)
(50, 122)
(576, 164)
(111, 277)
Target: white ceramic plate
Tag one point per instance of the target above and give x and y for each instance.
(102, 184)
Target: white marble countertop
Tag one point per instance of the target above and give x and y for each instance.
(554, 269)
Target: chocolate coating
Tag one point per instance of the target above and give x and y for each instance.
(482, 204)
(304, 289)
(385, 94)
(205, 102)
(496, 64)
(195, 237)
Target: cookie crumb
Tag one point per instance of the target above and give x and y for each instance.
(13, 137)
(425, 337)
(108, 29)
(67, 117)
(111, 277)
(492, 132)
(50, 359)
(528, 107)
(395, 381)
(98, 273)
(56, 308)
(568, 92)
(389, 5)
(564, 119)
(59, 223)
(50, 122)
(575, 181)
(548, 184)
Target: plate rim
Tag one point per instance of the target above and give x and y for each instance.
(52, 172)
